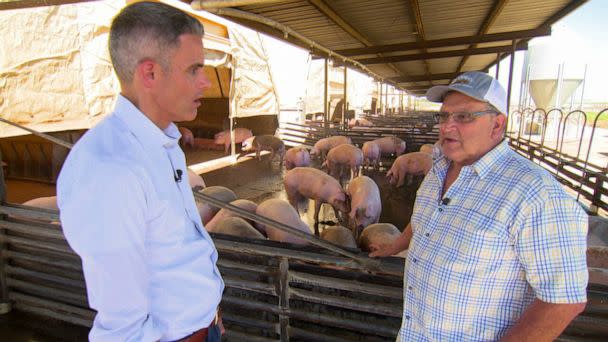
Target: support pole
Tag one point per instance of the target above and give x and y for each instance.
(325, 96)
(580, 107)
(510, 85)
(345, 106)
(380, 98)
(497, 65)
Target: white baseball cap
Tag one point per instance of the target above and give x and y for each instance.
(475, 84)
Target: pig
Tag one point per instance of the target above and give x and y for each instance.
(343, 157)
(240, 134)
(322, 146)
(427, 148)
(308, 182)
(597, 235)
(196, 181)
(261, 143)
(238, 227)
(340, 236)
(223, 213)
(378, 234)
(296, 157)
(359, 122)
(365, 204)
(221, 193)
(390, 145)
(187, 138)
(43, 202)
(408, 165)
(371, 154)
(281, 211)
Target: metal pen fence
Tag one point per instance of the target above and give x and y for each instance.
(557, 141)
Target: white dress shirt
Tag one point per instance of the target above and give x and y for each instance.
(149, 265)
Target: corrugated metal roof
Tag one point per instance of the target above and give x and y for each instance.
(363, 25)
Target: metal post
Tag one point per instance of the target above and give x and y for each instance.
(510, 75)
(560, 74)
(380, 98)
(325, 96)
(583, 89)
(345, 107)
(5, 305)
(497, 65)
(284, 298)
(386, 100)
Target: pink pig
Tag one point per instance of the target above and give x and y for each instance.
(240, 134)
(411, 164)
(365, 204)
(323, 145)
(371, 154)
(296, 157)
(281, 211)
(390, 145)
(187, 138)
(344, 157)
(307, 182)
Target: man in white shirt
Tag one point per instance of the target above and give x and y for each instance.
(149, 265)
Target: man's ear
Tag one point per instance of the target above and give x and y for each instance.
(500, 122)
(147, 72)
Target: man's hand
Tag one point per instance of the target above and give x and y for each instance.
(380, 250)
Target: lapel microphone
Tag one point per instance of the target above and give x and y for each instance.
(178, 175)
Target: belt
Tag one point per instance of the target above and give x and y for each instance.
(201, 334)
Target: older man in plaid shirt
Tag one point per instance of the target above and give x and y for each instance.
(496, 247)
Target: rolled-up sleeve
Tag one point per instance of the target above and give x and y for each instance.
(103, 215)
(551, 245)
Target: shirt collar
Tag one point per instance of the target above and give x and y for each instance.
(143, 128)
(481, 167)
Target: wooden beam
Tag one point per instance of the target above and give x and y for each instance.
(420, 87)
(10, 5)
(422, 78)
(485, 26)
(441, 54)
(569, 8)
(207, 4)
(415, 6)
(331, 14)
(326, 10)
(485, 38)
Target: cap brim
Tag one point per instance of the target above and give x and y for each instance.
(437, 93)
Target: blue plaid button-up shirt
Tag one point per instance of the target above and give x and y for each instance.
(508, 234)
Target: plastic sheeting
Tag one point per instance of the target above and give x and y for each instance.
(56, 74)
(253, 90)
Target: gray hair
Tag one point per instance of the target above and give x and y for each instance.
(147, 30)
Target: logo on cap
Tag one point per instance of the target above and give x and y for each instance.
(462, 80)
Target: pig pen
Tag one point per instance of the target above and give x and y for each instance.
(274, 291)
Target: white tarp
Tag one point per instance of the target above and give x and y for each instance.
(253, 91)
(56, 74)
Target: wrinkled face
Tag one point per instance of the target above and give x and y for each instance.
(465, 143)
(181, 87)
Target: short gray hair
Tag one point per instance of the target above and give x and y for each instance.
(147, 30)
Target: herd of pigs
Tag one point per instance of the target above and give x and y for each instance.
(355, 198)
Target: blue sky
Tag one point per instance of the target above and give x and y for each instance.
(583, 37)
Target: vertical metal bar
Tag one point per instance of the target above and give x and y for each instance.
(583, 89)
(497, 65)
(560, 74)
(345, 107)
(380, 98)
(386, 100)
(284, 298)
(325, 96)
(5, 306)
(510, 85)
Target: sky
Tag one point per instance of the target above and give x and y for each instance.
(582, 37)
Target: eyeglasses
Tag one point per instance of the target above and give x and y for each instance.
(461, 117)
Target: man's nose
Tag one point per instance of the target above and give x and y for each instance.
(203, 82)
